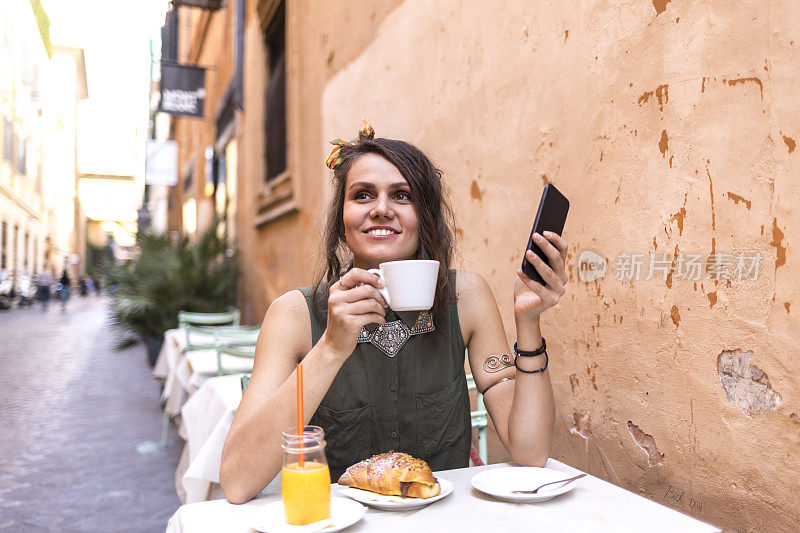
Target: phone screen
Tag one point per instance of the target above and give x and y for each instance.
(551, 216)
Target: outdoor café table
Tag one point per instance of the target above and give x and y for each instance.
(172, 367)
(184, 372)
(594, 505)
(206, 418)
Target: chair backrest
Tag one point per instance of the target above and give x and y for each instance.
(245, 379)
(188, 318)
(245, 351)
(241, 335)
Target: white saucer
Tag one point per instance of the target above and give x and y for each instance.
(396, 503)
(499, 482)
(271, 518)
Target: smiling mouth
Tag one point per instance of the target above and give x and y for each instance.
(381, 232)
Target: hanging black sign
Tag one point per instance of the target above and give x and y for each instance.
(211, 5)
(183, 90)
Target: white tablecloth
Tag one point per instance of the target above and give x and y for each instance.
(184, 372)
(594, 505)
(207, 417)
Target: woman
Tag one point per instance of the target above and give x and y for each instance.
(64, 290)
(43, 287)
(388, 205)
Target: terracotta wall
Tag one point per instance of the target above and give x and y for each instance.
(671, 126)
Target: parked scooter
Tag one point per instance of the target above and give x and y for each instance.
(26, 291)
(6, 290)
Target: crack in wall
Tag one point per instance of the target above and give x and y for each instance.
(647, 443)
(745, 385)
(580, 425)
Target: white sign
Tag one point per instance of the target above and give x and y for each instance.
(591, 266)
(161, 164)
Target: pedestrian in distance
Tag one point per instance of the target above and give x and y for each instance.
(44, 284)
(64, 290)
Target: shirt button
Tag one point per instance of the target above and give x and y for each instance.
(394, 434)
(392, 387)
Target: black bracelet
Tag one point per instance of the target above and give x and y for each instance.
(542, 349)
(531, 371)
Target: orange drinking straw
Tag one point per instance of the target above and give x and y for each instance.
(300, 425)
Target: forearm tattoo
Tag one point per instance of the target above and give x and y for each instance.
(496, 363)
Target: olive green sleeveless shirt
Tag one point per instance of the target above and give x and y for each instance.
(415, 402)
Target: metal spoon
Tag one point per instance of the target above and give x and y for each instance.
(534, 491)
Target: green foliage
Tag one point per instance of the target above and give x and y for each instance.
(166, 278)
(97, 259)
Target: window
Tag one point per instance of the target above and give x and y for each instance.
(22, 153)
(15, 248)
(8, 140)
(25, 244)
(3, 243)
(275, 116)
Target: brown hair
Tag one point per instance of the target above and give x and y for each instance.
(428, 197)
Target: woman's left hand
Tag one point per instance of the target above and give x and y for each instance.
(531, 298)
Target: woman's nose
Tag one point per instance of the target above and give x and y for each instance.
(382, 208)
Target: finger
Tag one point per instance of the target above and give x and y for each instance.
(550, 277)
(547, 298)
(362, 292)
(561, 245)
(363, 307)
(551, 252)
(557, 241)
(359, 276)
(537, 288)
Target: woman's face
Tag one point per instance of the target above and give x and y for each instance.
(380, 221)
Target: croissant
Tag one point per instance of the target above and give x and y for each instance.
(392, 473)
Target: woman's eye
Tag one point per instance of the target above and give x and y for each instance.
(360, 196)
(403, 196)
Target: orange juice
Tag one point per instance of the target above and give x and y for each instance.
(306, 492)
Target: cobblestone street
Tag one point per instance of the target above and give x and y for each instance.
(79, 426)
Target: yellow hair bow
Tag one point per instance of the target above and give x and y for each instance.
(334, 159)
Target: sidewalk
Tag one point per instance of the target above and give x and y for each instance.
(79, 424)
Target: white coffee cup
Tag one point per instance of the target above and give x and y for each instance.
(408, 285)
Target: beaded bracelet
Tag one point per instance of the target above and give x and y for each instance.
(541, 350)
(534, 353)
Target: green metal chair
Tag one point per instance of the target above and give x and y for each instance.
(245, 351)
(189, 322)
(206, 323)
(479, 421)
(245, 379)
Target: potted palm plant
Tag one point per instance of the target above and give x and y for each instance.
(166, 277)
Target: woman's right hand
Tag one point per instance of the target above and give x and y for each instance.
(353, 302)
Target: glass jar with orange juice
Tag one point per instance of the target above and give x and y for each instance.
(306, 481)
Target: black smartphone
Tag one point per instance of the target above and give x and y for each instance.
(551, 216)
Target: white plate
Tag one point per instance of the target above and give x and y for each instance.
(499, 482)
(271, 518)
(396, 503)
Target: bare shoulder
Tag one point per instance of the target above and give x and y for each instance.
(471, 288)
(476, 303)
(288, 319)
(288, 302)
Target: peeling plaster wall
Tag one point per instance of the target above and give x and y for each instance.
(672, 127)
